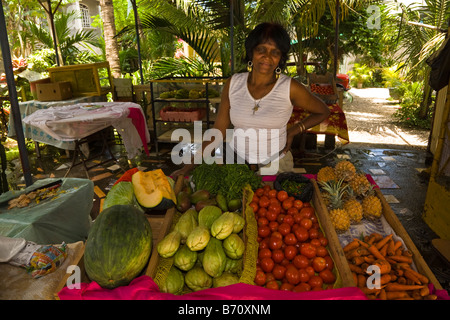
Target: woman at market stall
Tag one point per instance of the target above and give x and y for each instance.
(261, 100)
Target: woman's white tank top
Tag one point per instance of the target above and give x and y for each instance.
(259, 135)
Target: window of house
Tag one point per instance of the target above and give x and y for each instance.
(85, 16)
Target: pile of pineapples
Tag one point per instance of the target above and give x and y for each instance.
(348, 195)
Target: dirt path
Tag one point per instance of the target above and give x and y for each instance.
(369, 120)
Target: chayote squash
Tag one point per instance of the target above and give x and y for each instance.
(214, 258)
(223, 226)
(169, 244)
(233, 265)
(239, 222)
(226, 279)
(184, 259)
(208, 215)
(197, 279)
(198, 239)
(234, 246)
(186, 224)
(174, 282)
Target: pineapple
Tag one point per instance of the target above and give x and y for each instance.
(326, 174)
(338, 215)
(344, 169)
(353, 208)
(372, 208)
(360, 184)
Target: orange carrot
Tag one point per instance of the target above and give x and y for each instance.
(383, 250)
(391, 248)
(396, 295)
(397, 245)
(369, 259)
(356, 269)
(407, 253)
(424, 291)
(373, 250)
(401, 280)
(358, 260)
(423, 279)
(398, 252)
(361, 281)
(392, 286)
(364, 244)
(412, 276)
(401, 259)
(368, 291)
(382, 295)
(355, 278)
(385, 278)
(385, 267)
(383, 241)
(351, 245)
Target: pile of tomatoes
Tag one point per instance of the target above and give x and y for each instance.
(322, 89)
(292, 252)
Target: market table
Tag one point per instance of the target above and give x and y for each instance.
(62, 217)
(335, 124)
(31, 132)
(73, 122)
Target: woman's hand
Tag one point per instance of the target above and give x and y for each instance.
(289, 139)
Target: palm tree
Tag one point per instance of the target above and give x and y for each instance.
(68, 42)
(109, 33)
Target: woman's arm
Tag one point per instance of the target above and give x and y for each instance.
(302, 98)
(222, 123)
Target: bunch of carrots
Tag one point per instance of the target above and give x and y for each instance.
(398, 280)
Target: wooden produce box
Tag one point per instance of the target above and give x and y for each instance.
(54, 91)
(394, 223)
(85, 78)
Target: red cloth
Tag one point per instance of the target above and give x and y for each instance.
(144, 288)
(139, 122)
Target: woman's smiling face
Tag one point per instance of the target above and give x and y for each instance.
(266, 57)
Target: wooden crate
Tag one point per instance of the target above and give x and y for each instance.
(395, 224)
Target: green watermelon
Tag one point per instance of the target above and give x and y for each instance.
(118, 246)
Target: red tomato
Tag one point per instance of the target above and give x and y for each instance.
(286, 286)
(315, 281)
(292, 275)
(290, 239)
(275, 243)
(289, 219)
(310, 271)
(308, 250)
(262, 212)
(284, 228)
(330, 262)
(267, 264)
(327, 276)
(269, 277)
(290, 252)
(278, 235)
(292, 211)
(259, 192)
(302, 287)
(264, 253)
(279, 271)
(322, 251)
(301, 234)
(300, 261)
(319, 264)
(263, 222)
(260, 278)
(298, 204)
(306, 223)
(304, 276)
(273, 225)
(280, 218)
(254, 206)
(307, 211)
(282, 195)
(315, 242)
(264, 231)
(288, 203)
(277, 255)
(323, 241)
(273, 193)
(271, 215)
(264, 202)
(313, 233)
(272, 284)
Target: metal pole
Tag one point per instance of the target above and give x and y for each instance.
(4, 43)
(336, 41)
(232, 36)
(133, 2)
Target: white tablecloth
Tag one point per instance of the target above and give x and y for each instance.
(73, 122)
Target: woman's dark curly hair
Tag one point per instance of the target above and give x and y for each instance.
(268, 31)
